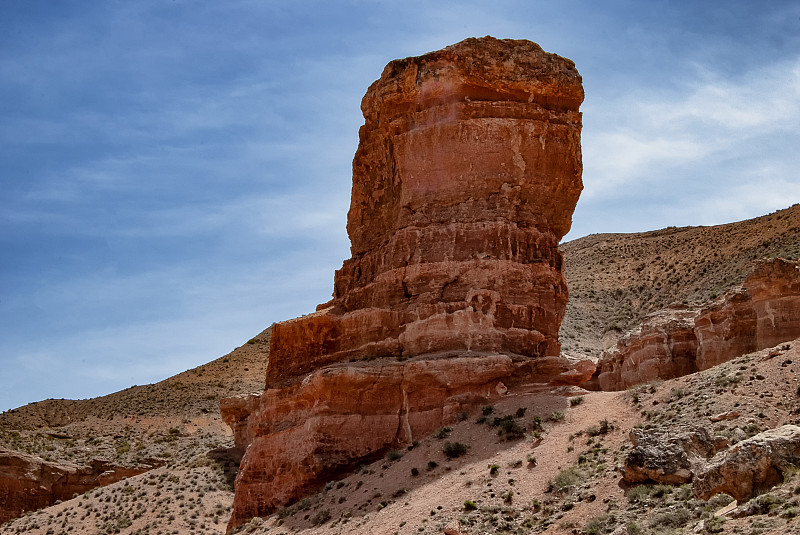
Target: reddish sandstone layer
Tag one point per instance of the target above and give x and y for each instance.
(465, 179)
(29, 483)
(344, 413)
(763, 313)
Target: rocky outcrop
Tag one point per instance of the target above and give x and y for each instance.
(750, 467)
(467, 173)
(29, 483)
(465, 179)
(666, 457)
(675, 342)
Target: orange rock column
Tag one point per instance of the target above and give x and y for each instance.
(465, 179)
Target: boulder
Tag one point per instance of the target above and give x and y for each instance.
(751, 466)
(466, 175)
(666, 457)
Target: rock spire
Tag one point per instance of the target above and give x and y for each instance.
(465, 179)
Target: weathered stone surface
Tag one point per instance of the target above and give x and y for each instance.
(343, 413)
(465, 179)
(29, 483)
(750, 467)
(662, 347)
(675, 342)
(666, 457)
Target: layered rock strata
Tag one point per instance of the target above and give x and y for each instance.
(28, 483)
(465, 179)
(763, 313)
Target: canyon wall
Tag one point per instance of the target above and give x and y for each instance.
(28, 483)
(763, 313)
(465, 179)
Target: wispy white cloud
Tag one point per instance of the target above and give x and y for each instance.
(177, 176)
(639, 138)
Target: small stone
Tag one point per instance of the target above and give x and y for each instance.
(729, 415)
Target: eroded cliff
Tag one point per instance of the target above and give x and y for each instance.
(764, 312)
(28, 483)
(465, 179)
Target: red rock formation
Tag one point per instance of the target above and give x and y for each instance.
(467, 173)
(29, 483)
(751, 467)
(763, 313)
(465, 179)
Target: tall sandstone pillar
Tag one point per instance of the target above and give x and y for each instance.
(465, 179)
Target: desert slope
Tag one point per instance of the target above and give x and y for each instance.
(562, 476)
(616, 279)
(171, 424)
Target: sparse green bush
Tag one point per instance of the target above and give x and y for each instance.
(574, 402)
(469, 505)
(565, 479)
(676, 393)
(509, 427)
(766, 503)
(321, 517)
(599, 525)
(493, 469)
(605, 426)
(714, 524)
(556, 416)
(454, 449)
(633, 528)
(122, 446)
(442, 432)
(393, 455)
(661, 490)
(790, 512)
(674, 518)
(717, 501)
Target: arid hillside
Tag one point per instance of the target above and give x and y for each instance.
(616, 279)
(536, 462)
(172, 424)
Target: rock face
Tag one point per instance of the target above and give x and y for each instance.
(763, 313)
(750, 467)
(465, 179)
(29, 483)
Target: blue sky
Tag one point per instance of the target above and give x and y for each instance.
(176, 175)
